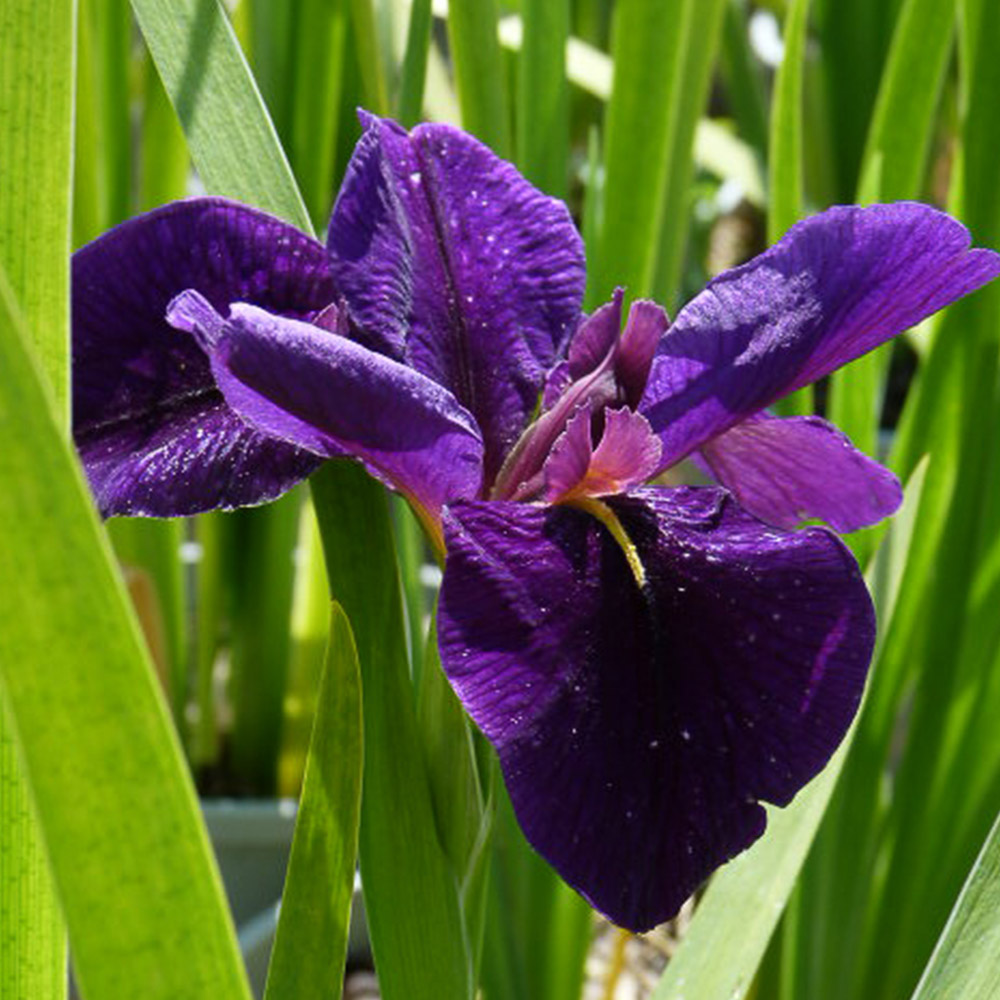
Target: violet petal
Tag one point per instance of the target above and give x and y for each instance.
(836, 286)
(203, 457)
(595, 336)
(452, 262)
(297, 383)
(141, 389)
(646, 324)
(785, 470)
(638, 729)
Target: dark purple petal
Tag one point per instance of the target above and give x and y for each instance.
(836, 286)
(787, 470)
(628, 454)
(639, 729)
(139, 386)
(203, 458)
(646, 325)
(451, 262)
(595, 336)
(319, 391)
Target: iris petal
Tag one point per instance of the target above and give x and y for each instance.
(452, 262)
(639, 729)
(151, 427)
(784, 470)
(319, 391)
(836, 286)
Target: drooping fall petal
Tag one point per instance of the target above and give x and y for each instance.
(151, 427)
(639, 728)
(319, 391)
(836, 286)
(453, 263)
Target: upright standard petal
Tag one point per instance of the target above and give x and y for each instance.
(152, 429)
(785, 470)
(638, 729)
(453, 263)
(836, 286)
(295, 382)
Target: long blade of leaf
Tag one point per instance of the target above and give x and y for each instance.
(37, 69)
(414, 73)
(479, 71)
(37, 45)
(648, 69)
(229, 133)
(543, 96)
(32, 938)
(411, 890)
(966, 961)
(310, 944)
(702, 28)
(902, 123)
(135, 875)
(785, 197)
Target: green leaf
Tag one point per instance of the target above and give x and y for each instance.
(412, 892)
(310, 636)
(785, 197)
(663, 54)
(702, 28)
(854, 37)
(742, 74)
(369, 57)
(37, 46)
(231, 138)
(902, 123)
(538, 929)
(131, 860)
(151, 551)
(479, 72)
(317, 70)
(262, 575)
(166, 163)
(310, 944)
(459, 807)
(411, 554)
(418, 41)
(647, 39)
(966, 961)
(463, 814)
(37, 41)
(32, 938)
(543, 96)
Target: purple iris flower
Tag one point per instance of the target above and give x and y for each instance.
(649, 662)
